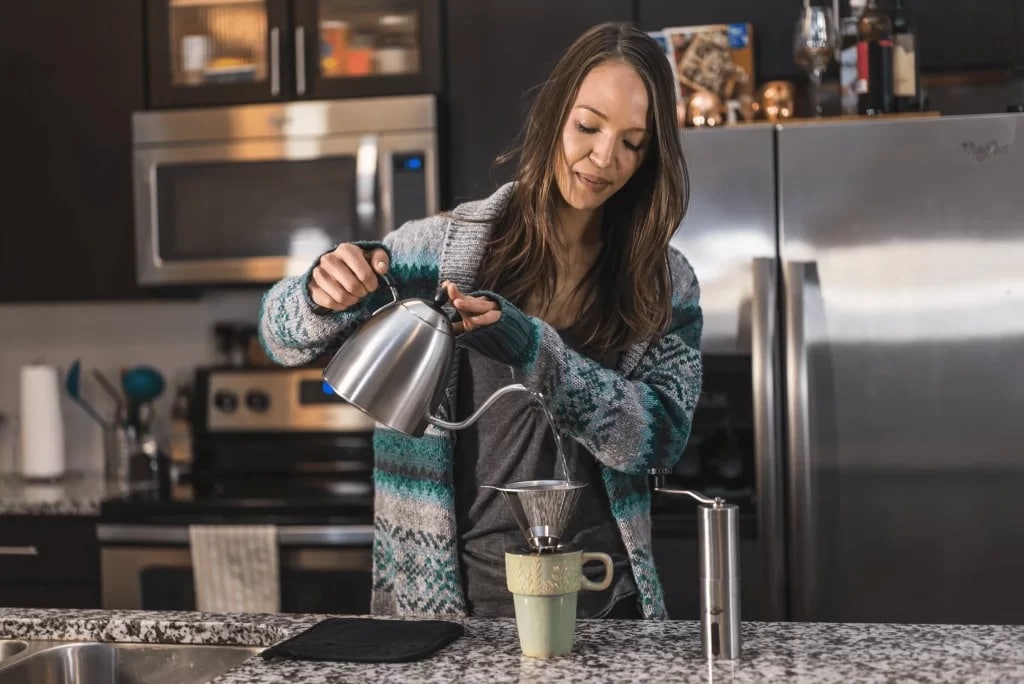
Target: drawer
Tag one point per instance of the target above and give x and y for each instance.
(48, 548)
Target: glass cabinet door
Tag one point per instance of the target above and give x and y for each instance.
(215, 51)
(359, 48)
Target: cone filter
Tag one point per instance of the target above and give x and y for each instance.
(542, 508)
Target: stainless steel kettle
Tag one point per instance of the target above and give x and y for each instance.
(395, 366)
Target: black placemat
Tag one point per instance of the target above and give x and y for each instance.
(368, 640)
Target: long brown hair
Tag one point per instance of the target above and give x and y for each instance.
(626, 296)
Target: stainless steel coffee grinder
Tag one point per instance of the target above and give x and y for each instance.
(718, 540)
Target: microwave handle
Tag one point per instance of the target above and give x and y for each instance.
(367, 172)
(300, 60)
(275, 61)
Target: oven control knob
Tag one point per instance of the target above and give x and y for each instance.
(226, 401)
(257, 400)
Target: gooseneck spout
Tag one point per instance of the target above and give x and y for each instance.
(516, 387)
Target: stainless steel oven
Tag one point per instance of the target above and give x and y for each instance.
(271, 446)
(323, 568)
(249, 194)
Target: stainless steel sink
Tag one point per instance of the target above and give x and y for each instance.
(116, 663)
(10, 647)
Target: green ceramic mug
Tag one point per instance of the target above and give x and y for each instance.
(544, 588)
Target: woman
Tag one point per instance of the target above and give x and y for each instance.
(564, 281)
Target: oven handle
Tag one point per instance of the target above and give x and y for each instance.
(287, 535)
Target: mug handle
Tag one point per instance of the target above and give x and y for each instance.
(606, 560)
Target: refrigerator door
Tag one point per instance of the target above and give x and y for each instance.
(729, 236)
(903, 270)
(730, 222)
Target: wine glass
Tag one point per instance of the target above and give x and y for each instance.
(814, 46)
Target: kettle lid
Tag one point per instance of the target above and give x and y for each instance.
(428, 312)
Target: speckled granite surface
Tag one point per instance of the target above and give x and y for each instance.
(74, 494)
(605, 651)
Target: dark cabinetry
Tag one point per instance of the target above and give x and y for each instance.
(1019, 22)
(223, 52)
(964, 35)
(70, 76)
(497, 52)
(954, 34)
(49, 562)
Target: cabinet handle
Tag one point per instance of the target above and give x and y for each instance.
(300, 60)
(18, 551)
(275, 61)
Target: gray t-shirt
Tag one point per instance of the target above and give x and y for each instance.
(509, 443)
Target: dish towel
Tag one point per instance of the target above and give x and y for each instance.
(235, 568)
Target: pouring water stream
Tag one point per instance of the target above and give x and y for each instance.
(538, 398)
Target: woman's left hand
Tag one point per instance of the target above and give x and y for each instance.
(476, 312)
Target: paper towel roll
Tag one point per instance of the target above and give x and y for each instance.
(42, 426)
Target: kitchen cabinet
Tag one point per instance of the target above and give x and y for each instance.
(1020, 36)
(222, 52)
(959, 35)
(497, 51)
(49, 562)
(68, 89)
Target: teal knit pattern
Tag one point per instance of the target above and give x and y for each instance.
(631, 419)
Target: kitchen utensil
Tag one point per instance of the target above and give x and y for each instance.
(395, 366)
(142, 383)
(73, 383)
(718, 540)
(114, 394)
(541, 508)
(118, 447)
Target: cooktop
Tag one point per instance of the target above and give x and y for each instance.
(184, 504)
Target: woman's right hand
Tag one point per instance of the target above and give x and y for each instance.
(343, 277)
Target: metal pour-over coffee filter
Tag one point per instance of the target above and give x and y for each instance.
(541, 508)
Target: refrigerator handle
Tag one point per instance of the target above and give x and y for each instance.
(300, 60)
(767, 431)
(275, 61)
(803, 580)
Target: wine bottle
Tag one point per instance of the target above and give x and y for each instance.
(874, 61)
(905, 69)
(848, 55)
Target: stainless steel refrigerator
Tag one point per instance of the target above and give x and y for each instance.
(879, 291)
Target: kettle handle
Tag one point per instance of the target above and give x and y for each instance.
(390, 282)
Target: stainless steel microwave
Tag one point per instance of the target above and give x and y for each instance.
(250, 194)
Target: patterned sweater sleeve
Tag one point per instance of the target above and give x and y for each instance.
(630, 424)
(293, 333)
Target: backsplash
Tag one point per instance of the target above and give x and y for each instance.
(173, 336)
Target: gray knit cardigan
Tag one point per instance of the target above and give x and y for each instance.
(631, 419)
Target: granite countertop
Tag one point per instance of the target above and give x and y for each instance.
(605, 650)
(73, 494)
